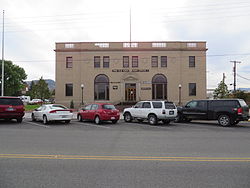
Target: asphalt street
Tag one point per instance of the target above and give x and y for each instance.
(82, 154)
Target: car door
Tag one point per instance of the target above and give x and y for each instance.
(196, 110)
(145, 110)
(85, 112)
(38, 113)
(189, 110)
(92, 111)
(135, 110)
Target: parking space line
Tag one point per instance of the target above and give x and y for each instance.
(83, 123)
(36, 124)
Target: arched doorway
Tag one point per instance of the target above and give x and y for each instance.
(159, 87)
(101, 87)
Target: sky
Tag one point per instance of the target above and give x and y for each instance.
(33, 27)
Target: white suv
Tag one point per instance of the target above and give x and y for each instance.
(153, 111)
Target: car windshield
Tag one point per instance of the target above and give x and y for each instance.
(11, 101)
(108, 107)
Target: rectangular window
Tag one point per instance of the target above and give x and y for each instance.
(159, 45)
(97, 61)
(105, 61)
(154, 61)
(192, 89)
(125, 61)
(191, 61)
(134, 61)
(69, 62)
(164, 61)
(69, 89)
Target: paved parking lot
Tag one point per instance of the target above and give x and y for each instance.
(82, 154)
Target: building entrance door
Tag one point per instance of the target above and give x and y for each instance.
(130, 92)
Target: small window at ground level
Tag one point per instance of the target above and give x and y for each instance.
(69, 89)
(192, 89)
(157, 104)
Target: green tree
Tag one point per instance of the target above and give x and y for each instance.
(14, 77)
(222, 90)
(240, 95)
(39, 90)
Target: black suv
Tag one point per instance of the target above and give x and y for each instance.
(226, 111)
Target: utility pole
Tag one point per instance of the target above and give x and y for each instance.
(2, 84)
(234, 71)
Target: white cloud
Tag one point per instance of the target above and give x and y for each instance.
(33, 27)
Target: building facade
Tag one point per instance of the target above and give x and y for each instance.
(124, 72)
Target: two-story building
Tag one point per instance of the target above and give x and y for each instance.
(119, 72)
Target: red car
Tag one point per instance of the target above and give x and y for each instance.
(99, 112)
(11, 108)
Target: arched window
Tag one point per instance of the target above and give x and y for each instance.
(101, 87)
(159, 87)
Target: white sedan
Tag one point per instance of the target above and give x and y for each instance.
(52, 112)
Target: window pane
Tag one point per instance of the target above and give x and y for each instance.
(134, 61)
(101, 91)
(69, 62)
(154, 61)
(106, 61)
(157, 104)
(192, 89)
(125, 61)
(97, 61)
(191, 61)
(69, 90)
(163, 61)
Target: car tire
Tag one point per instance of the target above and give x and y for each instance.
(224, 120)
(19, 120)
(79, 118)
(45, 120)
(97, 120)
(152, 119)
(178, 118)
(114, 121)
(33, 117)
(127, 117)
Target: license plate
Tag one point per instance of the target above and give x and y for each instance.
(171, 112)
(10, 109)
(112, 117)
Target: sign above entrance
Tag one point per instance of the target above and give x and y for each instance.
(127, 70)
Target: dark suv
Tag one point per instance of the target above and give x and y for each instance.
(11, 108)
(226, 111)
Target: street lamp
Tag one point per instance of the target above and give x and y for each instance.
(82, 87)
(179, 94)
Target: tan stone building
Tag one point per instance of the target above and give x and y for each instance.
(119, 72)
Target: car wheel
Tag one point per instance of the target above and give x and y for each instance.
(67, 121)
(114, 121)
(45, 120)
(19, 120)
(224, 120)
(33, 117)
(79, 117)
(166, 121)
(97, 120)
(152, 119)
(127, 117)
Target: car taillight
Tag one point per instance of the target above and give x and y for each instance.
(163, 112)
(239, 111)
(52, 111)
